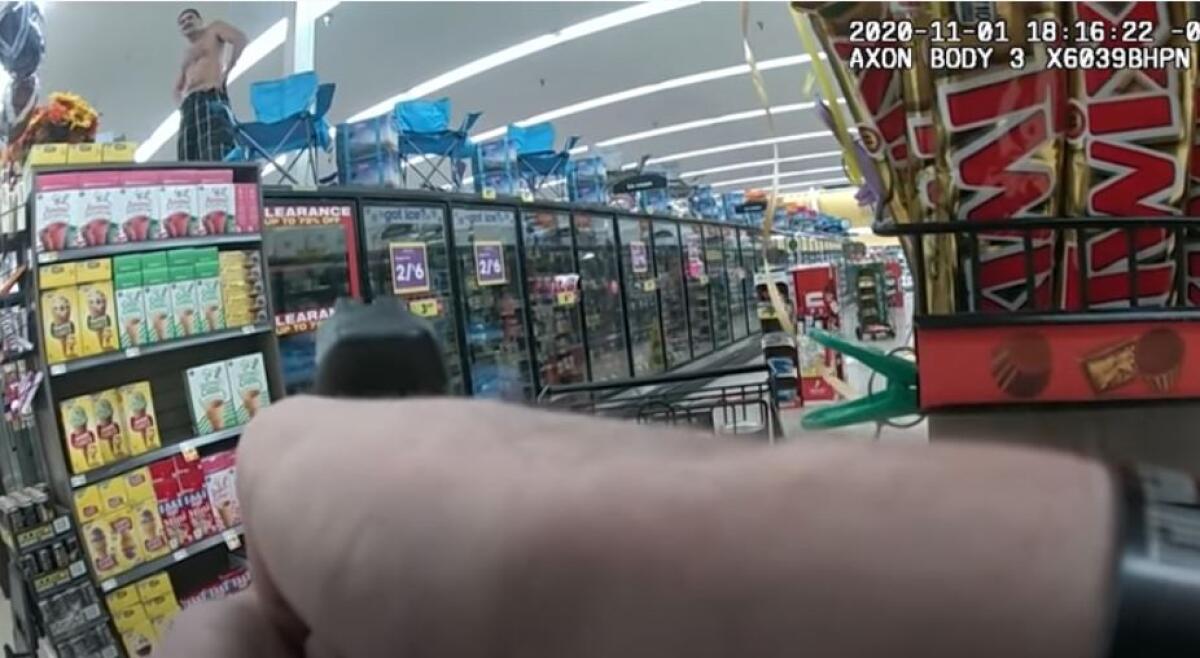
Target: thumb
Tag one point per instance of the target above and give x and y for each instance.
(234, 627)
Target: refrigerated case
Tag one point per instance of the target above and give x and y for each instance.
(752, 261)
(718, 284)
(640, 283)
(600, 287)
(552, 283)
(397, 237)
(498, 359)
(312, 257)
(736, 272)
(699, 299)
(668, 264)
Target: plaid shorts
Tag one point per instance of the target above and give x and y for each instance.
(204, 133)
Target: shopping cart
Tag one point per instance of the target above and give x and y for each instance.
(712, 400)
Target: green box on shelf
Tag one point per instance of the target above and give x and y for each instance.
(154, 260)
(127, 279)
(182, 272)
(126, 263)
(131, 309)
(207, 255)
(181, 257)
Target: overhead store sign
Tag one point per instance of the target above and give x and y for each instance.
(489, 263)
(410, 267)
(640, 183)
(306, 215)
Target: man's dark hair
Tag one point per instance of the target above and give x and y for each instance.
(189, 10)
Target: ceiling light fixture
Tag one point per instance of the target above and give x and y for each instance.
(255, 51)
(810, 184)
(705, 123)
(736, 146)
(646, 90)
(524, 49)
(782, 174)
(758, 163)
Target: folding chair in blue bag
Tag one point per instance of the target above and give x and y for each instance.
(290, 115)
(426, 138)
(538, 164)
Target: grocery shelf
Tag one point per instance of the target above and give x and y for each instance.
(154, 566)
(149, 245)
(87, 363)
(137, 461)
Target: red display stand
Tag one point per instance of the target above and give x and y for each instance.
(816, 289)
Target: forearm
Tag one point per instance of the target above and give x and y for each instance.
(822, 550)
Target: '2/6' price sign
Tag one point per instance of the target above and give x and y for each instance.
(489, 263)
(410, 267)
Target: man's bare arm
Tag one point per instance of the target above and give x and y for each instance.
(237, 41)
(179, 84)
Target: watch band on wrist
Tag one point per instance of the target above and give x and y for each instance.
(1156, 606)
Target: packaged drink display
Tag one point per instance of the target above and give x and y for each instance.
(1130, 138)
(141, 426)
(61, 324)
(99, 323)
(114, 443)
(79, 432)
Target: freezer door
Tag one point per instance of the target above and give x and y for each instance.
(406, 255)
(552, 282)
(641, 295)
(485, 246)
(600, 285)
(312, 261)
(668, 263)
(718, 284)
(699, 299)
(737, 290)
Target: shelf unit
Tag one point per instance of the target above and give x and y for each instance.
(165, 372)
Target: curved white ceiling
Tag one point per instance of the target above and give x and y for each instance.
(664, 80)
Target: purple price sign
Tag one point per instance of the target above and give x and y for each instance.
(410, 267)
(489, 263)
(638, 257)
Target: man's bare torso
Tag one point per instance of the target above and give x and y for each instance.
(203, 63)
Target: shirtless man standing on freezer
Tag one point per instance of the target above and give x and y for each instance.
(205, 135)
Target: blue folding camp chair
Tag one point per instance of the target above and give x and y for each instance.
(290, 115)
(426, 138)
(537, 162)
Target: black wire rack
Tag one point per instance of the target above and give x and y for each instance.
(970, 238)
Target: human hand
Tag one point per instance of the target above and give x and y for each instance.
(466, 528)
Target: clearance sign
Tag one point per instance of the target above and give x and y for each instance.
(307, 215)
(298, 215)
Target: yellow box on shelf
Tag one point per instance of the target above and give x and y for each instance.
(427, 307)
(43, 155)
(84, 154)
(119, 152)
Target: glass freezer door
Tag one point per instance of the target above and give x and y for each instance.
(668, 263)
(600, 285)
(312, 257)
(699, 299)
(718, 283)
(412, 235)
(752, 260)
(553, 286)
(737, 275)
(485, 245)
(641, 296)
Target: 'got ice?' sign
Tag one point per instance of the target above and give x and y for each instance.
(489, 263)
(410, 267)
